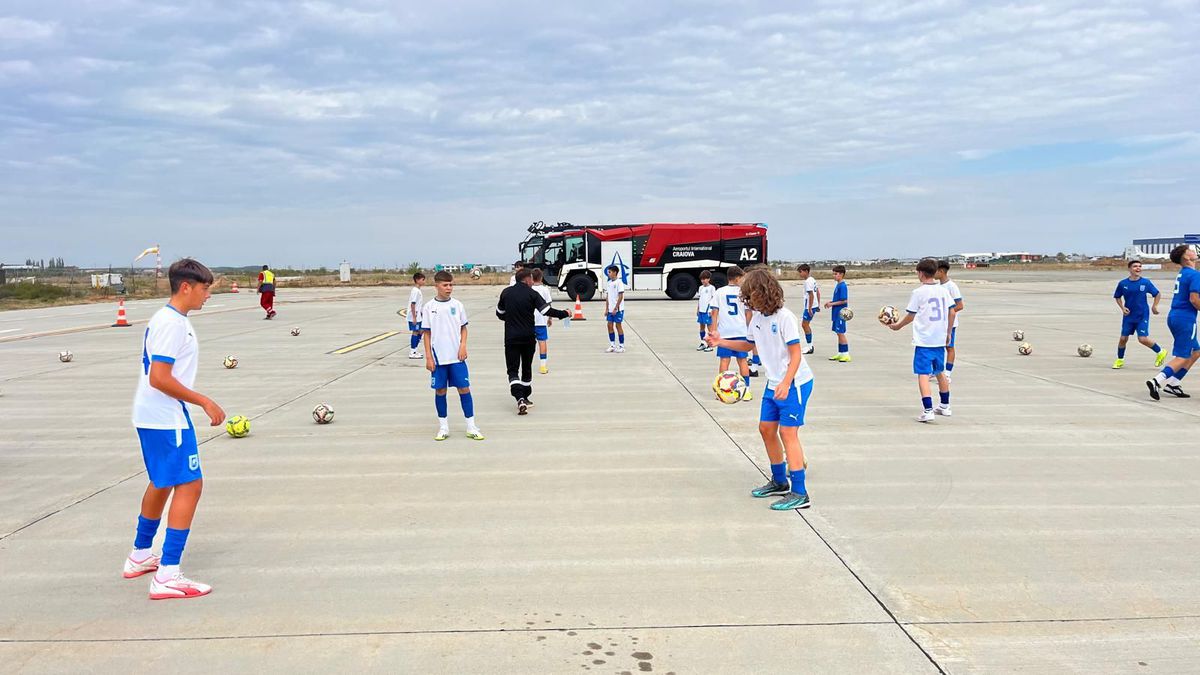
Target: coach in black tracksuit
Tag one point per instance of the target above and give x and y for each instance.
(516, 308)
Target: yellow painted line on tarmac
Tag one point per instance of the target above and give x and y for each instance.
(365, 343)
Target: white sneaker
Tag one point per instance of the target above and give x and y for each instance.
(414, 354)
(943, 410)
(177, 586)
(442, 434)
(611, 349)
(809, 349)
(134, 569)
(926, 416)
(703, 346)
(621, 349)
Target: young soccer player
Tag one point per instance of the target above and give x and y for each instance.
(444, 325)
(841, 300)
(728, 313)
(416, 300)
(1130, 297)
(931, 313)
(615, 314)
(1182, 322)
(517, 267)
(541, 323)
(810, 304)
(170, 352)
(943, 277)
(704, 300)
(266, 291)
(776, 333)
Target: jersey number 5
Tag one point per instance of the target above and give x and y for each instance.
(733, 305)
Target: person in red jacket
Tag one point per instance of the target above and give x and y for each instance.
(266, 291)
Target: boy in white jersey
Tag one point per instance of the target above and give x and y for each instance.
(776, 333)
(615, 310)
(931, 312)
(444, 324)
(170, 353)
(541, 323)
(812, 299)
(728, 312)
(416, 300)
(704, 299)
(943, 277)
(517, 267)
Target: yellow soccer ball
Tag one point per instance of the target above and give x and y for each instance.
(729, 387)
(237, 426)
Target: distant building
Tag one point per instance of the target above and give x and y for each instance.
(1162, 245)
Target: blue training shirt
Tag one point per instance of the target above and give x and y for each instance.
(1186, 283)
(841, 292)
(1134, 293)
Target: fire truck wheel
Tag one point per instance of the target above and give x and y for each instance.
(581, 285)
(682, 286)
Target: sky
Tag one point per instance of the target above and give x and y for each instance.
(309, 132)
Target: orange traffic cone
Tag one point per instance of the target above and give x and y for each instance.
(234, 289)
(578, 310)
(122, 322)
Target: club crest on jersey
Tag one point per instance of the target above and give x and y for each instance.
(193, 462)
(775, 328)
(453, 311)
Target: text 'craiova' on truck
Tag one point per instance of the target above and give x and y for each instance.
(665, 257)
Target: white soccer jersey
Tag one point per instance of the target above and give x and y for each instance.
(615, 289)
(731, 312)
(772, 335)
(415, 297)
(443, 321)
(539, 318)
(930, 304)
(169, 338)
(512, 281)
(810, 286)
(955, 296)
(704, 297)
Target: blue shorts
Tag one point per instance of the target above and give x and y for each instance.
(452, 374)
(929, 360)
(839, 324)
(1183, 329)
(704, 318)
(615, 317)
(807, 316)
(414, 327)
(1131, 325)
(169, 462)
(788, 412)
(541, 333)
(723, 353)
(953, 333)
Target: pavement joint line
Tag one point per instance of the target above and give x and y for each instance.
(891, 615)
(577, 629)
(94, 327)
(365, 343)
(210, 438)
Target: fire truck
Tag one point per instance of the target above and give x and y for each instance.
(652, 256)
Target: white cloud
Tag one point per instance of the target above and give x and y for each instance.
(17, 29)
(910, 190)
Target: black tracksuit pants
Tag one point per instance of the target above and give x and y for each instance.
(518, 356)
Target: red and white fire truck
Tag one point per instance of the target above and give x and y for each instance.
(653, 256)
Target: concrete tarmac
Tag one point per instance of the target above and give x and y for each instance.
(1051, 525)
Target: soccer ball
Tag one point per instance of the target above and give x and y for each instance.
(477, 273)
(65, 356)
(729, 387)
(296, 331)
(237, 426)
(889, 315)
(231, 362)
(1024, 349)
(1085, 350)
(847, 314)
(323, 414)
(1018, 335)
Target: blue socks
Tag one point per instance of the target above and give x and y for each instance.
(439, 402)
(414, 341)
(1156, 348)
(468, 404)
(808, 338)
(798, 482)
(146, 529)
(843, 348)
(746, 378)
(945, 397)
(701, 335)
(779, 472)
(1168, 372)
(1120, 352)
(949, 366)
(622, 338)
(612, 337)
(542, 356)
(1180, 373)
(927, 401)
(173, 546)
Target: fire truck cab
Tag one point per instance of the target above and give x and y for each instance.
(653, 256)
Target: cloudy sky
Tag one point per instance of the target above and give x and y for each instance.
(383, 132)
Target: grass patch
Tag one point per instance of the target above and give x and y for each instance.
(33, 292)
